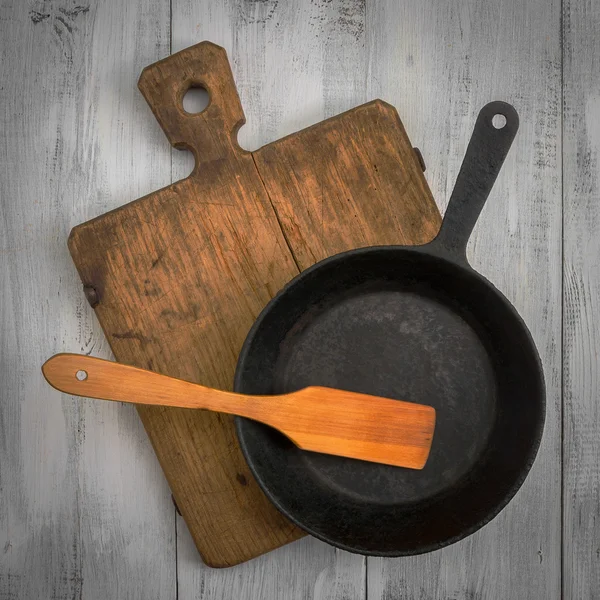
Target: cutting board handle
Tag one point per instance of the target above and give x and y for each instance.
(211, 133)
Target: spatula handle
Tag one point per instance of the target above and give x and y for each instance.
(107, 380)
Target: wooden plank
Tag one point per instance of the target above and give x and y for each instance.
(307, 568)
(84, 509)
(439, 64)
(581, 336)
(277, 52)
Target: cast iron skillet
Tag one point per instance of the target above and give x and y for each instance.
(419, 324)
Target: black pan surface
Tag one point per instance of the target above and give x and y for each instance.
(412, 323)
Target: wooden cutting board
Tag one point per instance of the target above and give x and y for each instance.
(178, 277)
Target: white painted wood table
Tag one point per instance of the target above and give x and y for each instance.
(85, 511)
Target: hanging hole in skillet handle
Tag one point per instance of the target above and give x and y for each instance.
(81, 375)
(211, 133)
(498, 121)
(495, 129)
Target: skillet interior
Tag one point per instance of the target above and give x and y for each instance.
(400, 323)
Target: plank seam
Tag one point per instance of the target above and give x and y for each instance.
(175, 520)
(281, 228)
(562, 304)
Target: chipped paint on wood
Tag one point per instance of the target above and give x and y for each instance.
(84, 509)
(439, 64)
(581, 333)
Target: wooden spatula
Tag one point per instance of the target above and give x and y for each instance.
(319, 419)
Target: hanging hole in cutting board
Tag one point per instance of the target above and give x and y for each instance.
(195, 100)
(498, 121)
(81, 375)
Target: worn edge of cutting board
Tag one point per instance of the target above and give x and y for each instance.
(230, 519)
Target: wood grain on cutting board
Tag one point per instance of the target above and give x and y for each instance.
(178, 277)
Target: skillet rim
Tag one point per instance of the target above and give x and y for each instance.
(434, 249)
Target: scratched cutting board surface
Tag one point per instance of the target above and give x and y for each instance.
(178, 277)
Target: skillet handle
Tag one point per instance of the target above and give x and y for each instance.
(483, 160)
